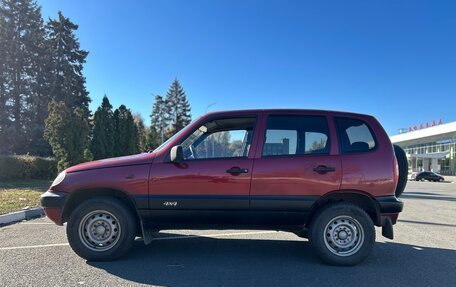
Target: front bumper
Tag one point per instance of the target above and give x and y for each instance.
(53, 203)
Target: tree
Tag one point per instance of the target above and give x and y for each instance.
(159, 119)
(126, 133)
(23, 94)
(102, 145)
(177, 108)
(67, 61)
(5, 122)
(67, 132)
(67, 126)
(141, 132)
(153, 139)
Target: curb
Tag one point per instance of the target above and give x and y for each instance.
(21, 215)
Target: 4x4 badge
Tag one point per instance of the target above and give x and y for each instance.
(170, 203)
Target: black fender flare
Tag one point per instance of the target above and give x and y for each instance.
(361, 199)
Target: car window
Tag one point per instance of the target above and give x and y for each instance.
(222, 138)
(294, 135)
(355, 135)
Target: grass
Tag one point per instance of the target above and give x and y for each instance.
(15, 195)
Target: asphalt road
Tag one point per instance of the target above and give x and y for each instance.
(36, 253)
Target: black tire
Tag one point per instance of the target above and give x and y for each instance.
(402, 162)
(109, 210)
(328, 216)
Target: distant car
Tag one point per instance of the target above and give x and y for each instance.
(429, 176)
(327, 176)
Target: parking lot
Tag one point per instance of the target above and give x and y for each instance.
(36, 253)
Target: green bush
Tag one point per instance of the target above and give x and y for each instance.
(27, 167)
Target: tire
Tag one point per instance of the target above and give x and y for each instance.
(342, 217)
(440, 179)
(112, 224)
(402, 162)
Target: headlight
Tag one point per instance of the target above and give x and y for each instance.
(59, 179)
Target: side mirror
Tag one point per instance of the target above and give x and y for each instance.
(177, 154)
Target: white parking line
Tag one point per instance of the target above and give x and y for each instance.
(33, 246)
(37, 223)
(155, 239)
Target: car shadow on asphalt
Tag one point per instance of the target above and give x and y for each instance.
(203, 261)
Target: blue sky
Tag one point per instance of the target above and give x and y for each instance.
(393, 59)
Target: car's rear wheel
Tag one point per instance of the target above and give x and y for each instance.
(101, 229)
(342, 234)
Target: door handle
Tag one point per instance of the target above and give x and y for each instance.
(237, 170)
(322, 169)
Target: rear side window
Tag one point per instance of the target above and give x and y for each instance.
(355, 135)
(296, 135)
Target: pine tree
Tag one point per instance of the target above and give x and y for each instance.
(126, 133)
(67, 61)
(38, 101)
(177, 108)
(22, 90)
(153, 139)
(5, 140)
(67, 132)
(67, 126)
(141, 132)
(102, 145)
(159, 119)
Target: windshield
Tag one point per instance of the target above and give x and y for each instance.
(165, 144)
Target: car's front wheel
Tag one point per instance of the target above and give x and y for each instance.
(101, 229)
(342, 234)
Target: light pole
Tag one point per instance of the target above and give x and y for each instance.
(208, 106)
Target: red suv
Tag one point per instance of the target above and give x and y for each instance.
(326, 176)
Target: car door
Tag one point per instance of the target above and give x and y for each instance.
(296, 163)
(433, 176)
(423, 176)
(212, 184)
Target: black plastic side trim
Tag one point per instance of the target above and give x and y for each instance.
(282, 203)
(53, 199)
(219, 219)
(389, 204)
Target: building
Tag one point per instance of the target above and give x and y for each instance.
(430, 149)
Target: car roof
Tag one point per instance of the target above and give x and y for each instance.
(286, 111)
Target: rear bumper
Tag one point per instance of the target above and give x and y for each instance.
(389, 208)
(389, 204)
(53, 202)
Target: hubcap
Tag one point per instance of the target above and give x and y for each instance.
(99, 230)
(343, 236)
